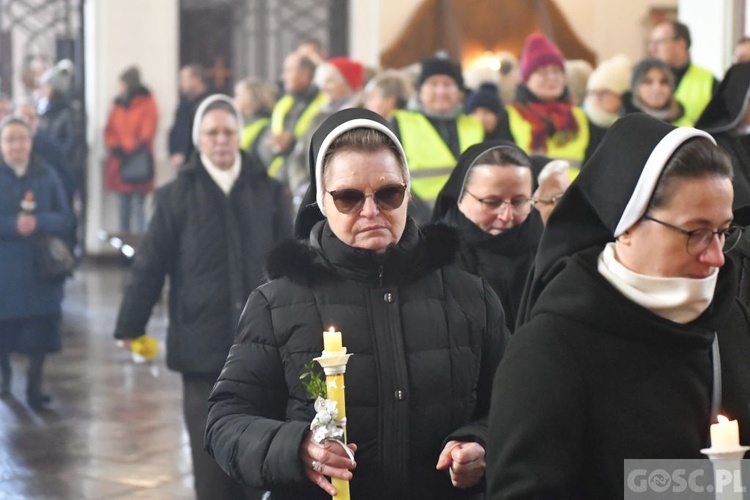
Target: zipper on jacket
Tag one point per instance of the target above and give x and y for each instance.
(381, 271)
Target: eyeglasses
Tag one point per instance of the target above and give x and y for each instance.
(348, 201)
(553, 200)
(519, 206)
(699, 240)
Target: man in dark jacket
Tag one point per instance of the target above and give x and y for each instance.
(193, 89)
(209, 234)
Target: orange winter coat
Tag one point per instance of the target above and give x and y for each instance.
(131, 123)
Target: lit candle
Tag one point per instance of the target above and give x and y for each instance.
(332, 341)
(334, 360)
(725, 435)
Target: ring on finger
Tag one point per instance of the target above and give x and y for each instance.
(315, 465)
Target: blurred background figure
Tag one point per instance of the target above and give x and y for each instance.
(313, 49)
(485, 105)
(387, 92)
(131, 128)
(727, 119)
(552, 180)
(255, 99)
(510, 75)
(436, 133)
(488, 200)
(57, 116)
(193, 85)
(33, 205)
(577, 74)
(340, 82)
(652, 92)
(609, 81)
(541, 118)
(693, 85)
(48, 150)
(742, 50)
(293, 113)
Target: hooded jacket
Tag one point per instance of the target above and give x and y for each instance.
(723, 117)
(425, 337)
(504, 260)
(604, 378)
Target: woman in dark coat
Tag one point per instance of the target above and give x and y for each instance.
(488, 199)
(131, 127)
(210, 232)
(632, 338)
(727, 119)
(32, 203)
(426, 339)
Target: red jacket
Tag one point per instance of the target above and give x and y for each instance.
(131, 123)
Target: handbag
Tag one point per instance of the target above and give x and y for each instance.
(137, 167)
(52, 258)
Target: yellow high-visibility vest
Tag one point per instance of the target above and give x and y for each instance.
(573, 150)
(251, 132)
(430, 160)
(695, 91)
(300, 128)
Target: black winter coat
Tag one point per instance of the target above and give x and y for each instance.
(426, 339)
(212, 247)
(593, 379)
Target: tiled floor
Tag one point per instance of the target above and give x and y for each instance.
(114, 429)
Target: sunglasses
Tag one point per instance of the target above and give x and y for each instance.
(389, 197)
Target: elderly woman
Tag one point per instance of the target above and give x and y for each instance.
(488, 199)
(632, 338)
(542, 119)
(211, 229)
(552, 180)
(652, 92)
(426, 339)
(33, 204)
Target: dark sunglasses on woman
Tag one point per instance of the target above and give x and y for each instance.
(387, 198)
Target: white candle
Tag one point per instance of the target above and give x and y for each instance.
(332, 341)
(725, 435)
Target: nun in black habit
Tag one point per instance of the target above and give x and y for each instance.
(488, 200)
(630, 315)
(727, 119)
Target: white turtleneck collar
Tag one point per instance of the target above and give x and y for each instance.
(677, 299)
(19, 170)
(225, 179)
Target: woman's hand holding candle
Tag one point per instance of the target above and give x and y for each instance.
(329, 459)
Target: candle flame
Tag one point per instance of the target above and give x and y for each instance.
(722, 419)
(332, 329)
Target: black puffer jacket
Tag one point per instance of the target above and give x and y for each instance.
(212, 247)
(426, 339)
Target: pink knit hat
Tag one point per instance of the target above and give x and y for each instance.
(539, 51)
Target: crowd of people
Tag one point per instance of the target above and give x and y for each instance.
(522, 281)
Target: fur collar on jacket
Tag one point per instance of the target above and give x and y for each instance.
(304, 262)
